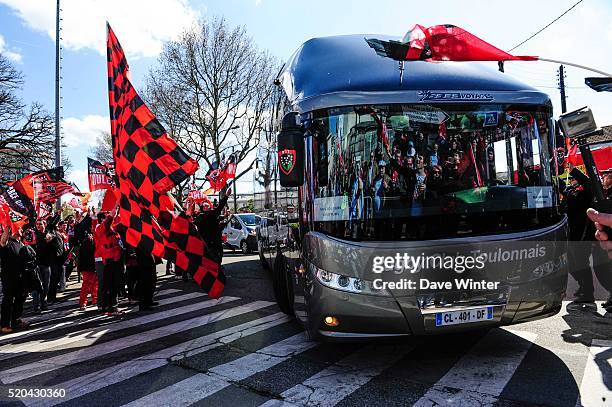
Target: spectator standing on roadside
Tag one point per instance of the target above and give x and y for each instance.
(87, 269)
(11, 277)
(43, 268)
(585, 231)
(55, 246)
(111, 257)
(98, 261)
(211, 230)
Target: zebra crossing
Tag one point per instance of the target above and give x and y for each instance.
(242, 351)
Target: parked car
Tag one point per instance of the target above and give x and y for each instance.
(241, 232)
(271, 236)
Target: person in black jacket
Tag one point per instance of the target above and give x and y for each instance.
(43, 268)
(211, 229)
(55, 245)
(11, 276)
(579, 199)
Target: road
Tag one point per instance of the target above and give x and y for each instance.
(241, 351)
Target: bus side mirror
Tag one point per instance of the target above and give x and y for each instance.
(290, 142)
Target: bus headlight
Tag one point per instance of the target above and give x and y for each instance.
(345, 283)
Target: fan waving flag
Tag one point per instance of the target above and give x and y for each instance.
(148, 163)
(444, 42)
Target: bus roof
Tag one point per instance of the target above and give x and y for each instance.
(343, 70)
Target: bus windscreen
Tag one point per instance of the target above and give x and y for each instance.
(414, 172)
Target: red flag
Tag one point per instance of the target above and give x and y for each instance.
(111, 196)
(98, 175)
(198, 197)
(472, 158)
(148, 163)
(442, 43)
(381, 132)
(217, 179)
(10, 217)
(572, 155)
(19, 196)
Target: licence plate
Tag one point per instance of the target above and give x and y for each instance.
(464, 317)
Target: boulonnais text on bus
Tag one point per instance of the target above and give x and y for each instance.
(404, 262)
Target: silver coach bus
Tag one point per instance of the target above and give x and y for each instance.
(427, 205)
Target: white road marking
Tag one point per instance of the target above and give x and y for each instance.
(93, 334)
(482, 373)
(88, 336)
(202, 385)
(57, 362)
(71, 312)
(595, 388)
(91, 382)
(331, 385)
(47, 328)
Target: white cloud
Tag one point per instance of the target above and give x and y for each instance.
(79, 177)
(258, 3)
(84, 131)
(10, 54)
(141, 25)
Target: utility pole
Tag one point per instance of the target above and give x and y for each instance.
(275, 188)
(234, 191)
(58, 144)
(561, 81)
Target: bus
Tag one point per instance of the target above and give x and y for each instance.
(428, 197)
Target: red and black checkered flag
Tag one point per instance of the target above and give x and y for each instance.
(148, 163)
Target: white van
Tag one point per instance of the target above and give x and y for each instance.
(241, 232)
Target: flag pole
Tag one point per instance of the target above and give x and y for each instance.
(58, 142)
(576, 65)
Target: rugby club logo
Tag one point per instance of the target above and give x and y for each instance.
(286, 159)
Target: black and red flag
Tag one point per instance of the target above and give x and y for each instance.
(148, 163)
(49, 185)
(444, 42)
(44, 187)
(19, 196)
(219, 176)
(9, 217)
(98, 175)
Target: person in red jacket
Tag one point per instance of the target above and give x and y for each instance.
(86, 267)
(111, 253)
(98, 248)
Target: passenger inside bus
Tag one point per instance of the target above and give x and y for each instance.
(398, 166)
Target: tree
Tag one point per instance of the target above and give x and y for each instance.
(212, 90)
(266, 171)
(103, 150)
(26, 133)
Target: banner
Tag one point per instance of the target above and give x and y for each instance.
(98, 175)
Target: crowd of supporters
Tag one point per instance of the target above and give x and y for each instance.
(38, 259)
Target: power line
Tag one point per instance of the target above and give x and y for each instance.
(546, 26)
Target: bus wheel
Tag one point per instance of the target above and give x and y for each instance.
(283, 291)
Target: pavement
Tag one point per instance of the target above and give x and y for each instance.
(240, 350)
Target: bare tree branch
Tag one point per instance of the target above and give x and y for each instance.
(212, 89)
(26, 133)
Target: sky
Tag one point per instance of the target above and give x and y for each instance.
(27, 37)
